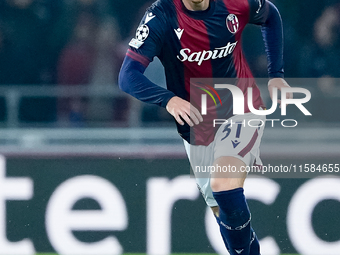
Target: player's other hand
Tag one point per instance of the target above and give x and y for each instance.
(278, 83)
(183, 110)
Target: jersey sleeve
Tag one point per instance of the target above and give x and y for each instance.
(258, 11)
(143, 48)
(149, 37)
(264, 13)
(132, 81)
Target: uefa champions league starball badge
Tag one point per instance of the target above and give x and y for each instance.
(142, 33)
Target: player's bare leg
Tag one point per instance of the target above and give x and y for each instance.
(233, 213)
(221, 181)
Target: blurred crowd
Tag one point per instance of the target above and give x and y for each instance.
(66, 42)
(83, 43)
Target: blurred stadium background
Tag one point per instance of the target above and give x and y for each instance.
(85, 169)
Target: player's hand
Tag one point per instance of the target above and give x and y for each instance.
(278, 83)
(183, 110)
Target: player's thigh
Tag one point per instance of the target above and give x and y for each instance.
(232, 178)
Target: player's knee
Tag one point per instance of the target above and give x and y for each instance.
(215, 184)
(224, 184)
(228, 175)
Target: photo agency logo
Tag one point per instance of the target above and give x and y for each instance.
(215, 93)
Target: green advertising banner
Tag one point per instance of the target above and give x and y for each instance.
(91, 205)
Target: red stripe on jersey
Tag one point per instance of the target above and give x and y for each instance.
(195, 38)
(135, 56)
(241, 9)
(250, 145)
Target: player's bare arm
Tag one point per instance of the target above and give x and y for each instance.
(182, 109)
